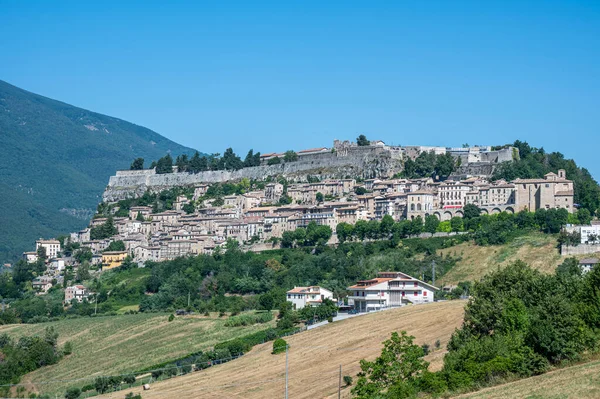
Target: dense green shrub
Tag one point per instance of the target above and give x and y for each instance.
(279, 346)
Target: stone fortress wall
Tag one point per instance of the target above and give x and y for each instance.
(368, 162)
(343, 159)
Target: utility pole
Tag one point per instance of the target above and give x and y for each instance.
(433, 272)
(286, 371)
(95, 304)
(188, 300)
(340, 384)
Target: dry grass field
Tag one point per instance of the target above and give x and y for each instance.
(538, 250)
(315, 357)
(581, 382)
(121, 344)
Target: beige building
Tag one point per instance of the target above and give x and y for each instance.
(554, 191)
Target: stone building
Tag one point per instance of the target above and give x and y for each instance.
(554, 191)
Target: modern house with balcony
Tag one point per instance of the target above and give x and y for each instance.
(301, 297)
(390, 289)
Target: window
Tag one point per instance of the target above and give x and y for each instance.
(403, 293)
(424, 293)
(416, 293)
(415, 284)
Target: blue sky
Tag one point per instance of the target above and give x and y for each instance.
(279, 75)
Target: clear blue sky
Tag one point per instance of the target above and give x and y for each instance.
(279, 75)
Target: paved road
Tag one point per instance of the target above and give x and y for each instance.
(342, 316)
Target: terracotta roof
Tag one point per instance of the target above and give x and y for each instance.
(312, 150)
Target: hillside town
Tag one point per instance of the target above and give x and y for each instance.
(257, 219)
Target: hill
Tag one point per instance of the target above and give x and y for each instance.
(538, 250)
(56, 161)
(315, 357)
(581, 381)
(120, 344)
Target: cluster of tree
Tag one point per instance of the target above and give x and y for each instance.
(429, 164)
(105, 230)
(518, 323)
(117, 245)
(25, 355)
(486, 229)
(535, 163)
(200, 163)
(312, 235)
(205, 280)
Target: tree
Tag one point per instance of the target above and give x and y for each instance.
(274, 161)
(431, 224)
(140, 217)
(231, 161)
(116, 246)
(137, 164)
(198, 163)
(319, 197)
(83, 272)
(457, 224)
(396, 372)
(362, 141)
(359, 190)
(444, 165)
(267, 302)
(164, 165)
(252, 159)
(290, 156)
(471, 211)
(183, 163)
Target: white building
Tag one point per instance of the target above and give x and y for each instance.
(77, 292)
(52, 247)
(308, 296)
(588, 264)
(390, 289)
(590, 234)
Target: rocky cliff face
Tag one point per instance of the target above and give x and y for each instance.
(368, 162)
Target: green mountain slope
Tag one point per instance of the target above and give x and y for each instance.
(56, 161)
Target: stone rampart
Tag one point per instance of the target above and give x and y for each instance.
(368, 162)
(581, 249)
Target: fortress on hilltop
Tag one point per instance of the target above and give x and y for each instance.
(344, 159)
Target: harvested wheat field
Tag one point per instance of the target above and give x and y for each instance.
(315, 357)
(581, 381)
(121, 344)
(537, 250)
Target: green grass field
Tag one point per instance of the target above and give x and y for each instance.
(121, 344)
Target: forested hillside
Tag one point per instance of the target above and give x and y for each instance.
(57, 159)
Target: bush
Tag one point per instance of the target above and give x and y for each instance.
(425, 348)
(330, 319)
(171, 317)
(68, 348)
(249, 319)
(279, 346)
(73, 393)
(347, 380)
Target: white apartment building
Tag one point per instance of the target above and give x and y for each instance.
(52, 247)
(301, 297)
(590, 234)
(390, 289)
